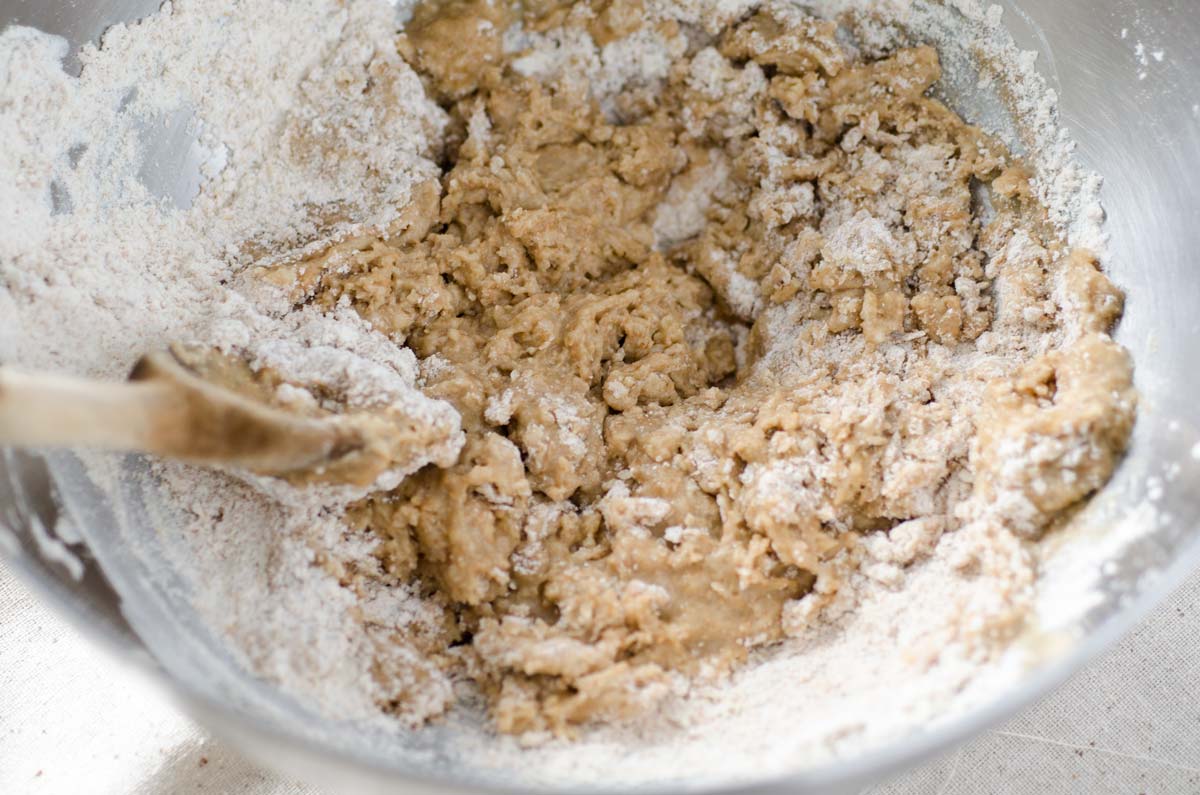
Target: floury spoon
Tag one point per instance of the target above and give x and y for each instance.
(185, 404)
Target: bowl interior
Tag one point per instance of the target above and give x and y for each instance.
(1126, 75)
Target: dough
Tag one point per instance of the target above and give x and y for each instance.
(707, 340)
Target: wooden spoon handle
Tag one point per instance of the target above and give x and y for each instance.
(44, 410)
(168, 411)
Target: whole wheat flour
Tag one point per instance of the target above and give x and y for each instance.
(760, 372)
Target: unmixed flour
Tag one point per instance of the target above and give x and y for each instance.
(124, 272)
(309, 128)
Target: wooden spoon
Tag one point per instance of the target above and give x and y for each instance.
(168, 409)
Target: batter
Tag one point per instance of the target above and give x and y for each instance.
(709, 341)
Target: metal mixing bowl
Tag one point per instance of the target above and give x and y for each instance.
(1136, 118)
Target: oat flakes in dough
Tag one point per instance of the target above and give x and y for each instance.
(720, 342)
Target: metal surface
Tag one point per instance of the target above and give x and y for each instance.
(1136, 119)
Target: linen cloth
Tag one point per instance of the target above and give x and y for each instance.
(77, 722)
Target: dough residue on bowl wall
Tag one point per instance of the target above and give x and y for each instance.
(770, 370)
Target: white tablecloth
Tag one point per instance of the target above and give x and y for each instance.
(76, 722)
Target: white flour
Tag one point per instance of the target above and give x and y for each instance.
(310, 126)
(125, 274)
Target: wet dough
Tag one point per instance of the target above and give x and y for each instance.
(707, 342)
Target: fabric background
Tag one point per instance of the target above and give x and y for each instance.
(75, 721)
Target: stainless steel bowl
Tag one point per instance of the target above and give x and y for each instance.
(1136, 118)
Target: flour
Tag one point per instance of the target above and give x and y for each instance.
(682, 215)
(125, 273)
(311, 128)
(637, 61)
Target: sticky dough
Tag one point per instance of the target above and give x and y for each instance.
(707, 343)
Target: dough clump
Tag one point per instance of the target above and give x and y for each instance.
(718, 340)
